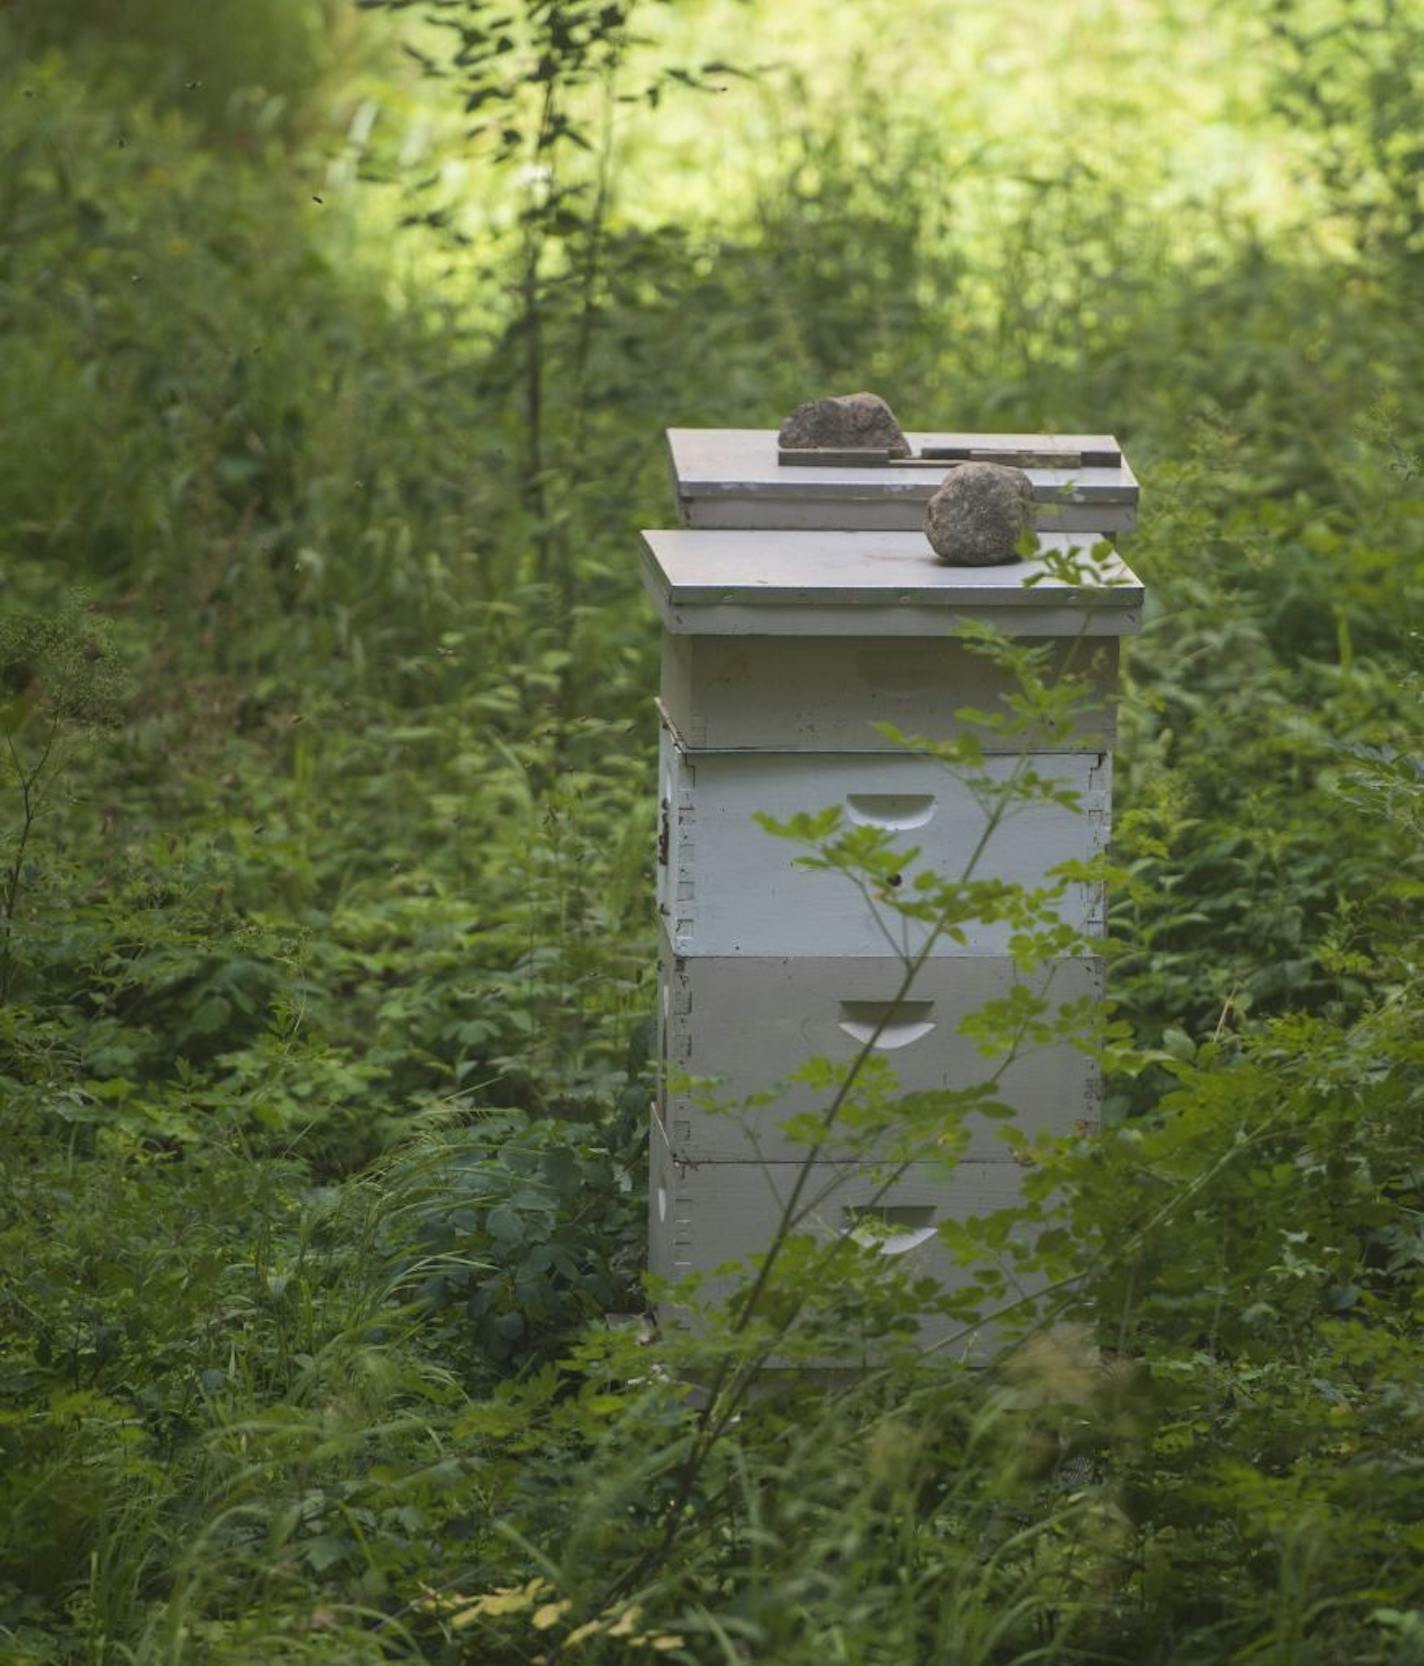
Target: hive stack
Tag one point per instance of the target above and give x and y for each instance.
(800, 606)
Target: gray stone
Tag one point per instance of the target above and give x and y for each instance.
(848, 421)
(979, 514)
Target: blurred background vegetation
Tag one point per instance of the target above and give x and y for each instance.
(333, 379)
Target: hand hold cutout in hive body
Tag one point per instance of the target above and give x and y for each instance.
(900, 1023)
(896, 812)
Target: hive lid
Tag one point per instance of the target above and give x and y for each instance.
(805, 583)
(736, 477)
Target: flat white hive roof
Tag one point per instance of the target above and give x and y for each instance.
(794, 583)
(730, 476)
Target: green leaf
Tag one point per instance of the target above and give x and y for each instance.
(326, 1550)
(1179, 1044)
(505, 1223)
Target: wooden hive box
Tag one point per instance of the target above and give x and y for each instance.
(800, 606)
(732, 1029)
(734, 477)
(804, 641)
(728, 887)
(704, 1218)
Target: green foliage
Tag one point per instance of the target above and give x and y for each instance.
(238, 71)
(1267, 871)
(540, 83)
(1357, 94)
(59, 680)
(514, 1235)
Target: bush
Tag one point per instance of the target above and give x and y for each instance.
(244, 69)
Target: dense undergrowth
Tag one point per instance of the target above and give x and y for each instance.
(326, 977)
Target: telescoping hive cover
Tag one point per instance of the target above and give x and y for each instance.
(740, 477)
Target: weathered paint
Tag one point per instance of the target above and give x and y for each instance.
(732, 477)
(879, 583)
(703, 1216)
(752, 1023)
(728, 887)
(813, 694)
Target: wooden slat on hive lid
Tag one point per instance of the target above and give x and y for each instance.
(948, 457)
(845, 457)
(1066, 456)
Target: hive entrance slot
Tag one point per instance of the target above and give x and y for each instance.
(891, 1228)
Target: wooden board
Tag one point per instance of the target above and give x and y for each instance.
(820, 694)
(751, 1023)
(780, 583)
(725, 886)
(703, 1216)
(732, 477)
(1056, 456)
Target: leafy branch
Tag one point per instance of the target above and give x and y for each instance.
(59, 678)
(541, 81)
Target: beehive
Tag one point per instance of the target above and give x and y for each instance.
(800, 606)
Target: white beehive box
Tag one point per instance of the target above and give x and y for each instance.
(803, 641)
(801, 605)
(878, 584)
(705, 1217)
(728, 887)
(813, 694)
(752, 1023)
(733, 477)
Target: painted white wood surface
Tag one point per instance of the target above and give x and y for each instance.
(814, 694)
(703, 1216)
(891, 619)
(725, 886)
(870, 515)
(752, 1022)
(731, 477)
(783, 583)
